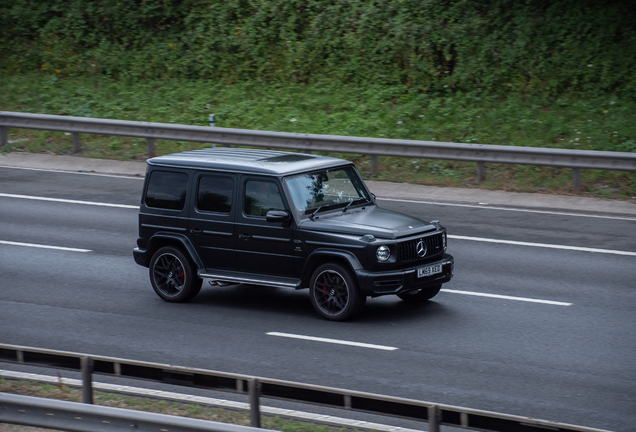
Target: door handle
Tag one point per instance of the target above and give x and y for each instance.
(195, 231)
(245, 236)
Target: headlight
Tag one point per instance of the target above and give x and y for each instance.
(383, 253)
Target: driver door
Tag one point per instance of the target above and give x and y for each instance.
(263, 247)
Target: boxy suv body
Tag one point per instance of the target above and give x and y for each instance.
(281, 219)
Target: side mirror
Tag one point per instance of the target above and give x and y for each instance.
(277, 216)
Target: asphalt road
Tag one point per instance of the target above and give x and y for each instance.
(570, 358)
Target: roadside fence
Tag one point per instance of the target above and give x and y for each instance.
(73, 416)
(255, 388)
(374, 147)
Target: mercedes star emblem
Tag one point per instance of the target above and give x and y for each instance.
(420, 248)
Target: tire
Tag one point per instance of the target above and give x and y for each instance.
(420, 295)
(173, 276)
(334, 294)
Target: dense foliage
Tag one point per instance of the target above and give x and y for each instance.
(549, 47)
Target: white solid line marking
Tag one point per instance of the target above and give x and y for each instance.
(486, 207)
(76, 172)
(159, 394)
(543, 245)
(44, 246)
(68, 201)
(505, 297)
(334, 341)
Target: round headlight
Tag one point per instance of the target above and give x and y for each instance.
(383, 253)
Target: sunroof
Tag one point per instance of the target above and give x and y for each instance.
(289, 158)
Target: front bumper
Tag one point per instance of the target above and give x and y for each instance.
(376, 284)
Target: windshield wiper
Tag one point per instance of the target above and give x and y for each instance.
(311, 216)
(350, 203)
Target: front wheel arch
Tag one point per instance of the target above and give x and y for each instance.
(324, 256)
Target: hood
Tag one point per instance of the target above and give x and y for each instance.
(380, 223)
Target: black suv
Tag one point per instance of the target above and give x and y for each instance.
(282, 219)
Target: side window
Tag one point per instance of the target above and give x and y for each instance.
(214, 194)
(261, 197)
(167, 190)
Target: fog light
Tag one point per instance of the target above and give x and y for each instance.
(383, 253)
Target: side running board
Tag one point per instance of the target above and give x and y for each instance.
(233, 277)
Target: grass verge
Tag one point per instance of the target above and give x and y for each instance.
(592, 123)
(62, 392)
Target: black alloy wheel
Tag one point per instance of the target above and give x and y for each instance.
(173, 276)
(420, 295)
(334, 293)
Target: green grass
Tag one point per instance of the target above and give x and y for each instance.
(62, 392)
(594, 123)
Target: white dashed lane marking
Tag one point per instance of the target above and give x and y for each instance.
(10, 243)
(543, 245)
(485, 206)
(333, 341)
(67, 201)
(505, 297)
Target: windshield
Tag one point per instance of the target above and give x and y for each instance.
(326, 189)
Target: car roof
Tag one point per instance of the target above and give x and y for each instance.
(247, 160)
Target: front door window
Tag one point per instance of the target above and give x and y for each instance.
(261, 197)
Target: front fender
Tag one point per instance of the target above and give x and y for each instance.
(322, 255)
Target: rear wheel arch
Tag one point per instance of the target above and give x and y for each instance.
(160, 240)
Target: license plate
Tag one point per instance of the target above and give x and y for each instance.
(429, 270)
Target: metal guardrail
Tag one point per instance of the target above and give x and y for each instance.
(479, 153)
(73, 416)
(256, 387)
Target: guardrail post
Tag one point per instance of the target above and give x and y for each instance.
(255, 409)
(151, 147)
(576, 177)
(481, 171)
(4, 136)
(87, 380)
(433, 418)
(76, 143)
(374, 164)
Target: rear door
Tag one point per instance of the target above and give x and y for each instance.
(211, 223)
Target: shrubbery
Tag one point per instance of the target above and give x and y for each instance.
(549, 47)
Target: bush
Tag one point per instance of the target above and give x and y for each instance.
(549, 47)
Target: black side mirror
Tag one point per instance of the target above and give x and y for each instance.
(277, 216)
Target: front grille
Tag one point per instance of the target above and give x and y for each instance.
(408, 249)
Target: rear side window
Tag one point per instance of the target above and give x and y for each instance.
(167, 190)
(215, 194)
